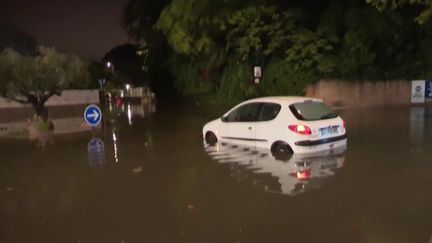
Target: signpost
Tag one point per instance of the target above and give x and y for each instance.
(92, 115)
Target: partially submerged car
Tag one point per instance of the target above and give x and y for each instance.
(285, 125)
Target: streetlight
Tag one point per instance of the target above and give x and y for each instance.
(110, 66)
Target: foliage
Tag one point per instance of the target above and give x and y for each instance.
(140, 16)
(96, 71)
(212, 46)
(127, 65)
(139, 20)
(282, 78)
(17, 41)
(422, 17)
(34, 79)
(236, 84)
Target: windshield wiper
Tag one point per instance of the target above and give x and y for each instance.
(329, 115)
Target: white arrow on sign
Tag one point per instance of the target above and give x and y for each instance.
(95, 115)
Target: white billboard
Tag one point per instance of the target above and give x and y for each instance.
(418, 91)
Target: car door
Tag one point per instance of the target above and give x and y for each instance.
(239, 124)
(265, 128)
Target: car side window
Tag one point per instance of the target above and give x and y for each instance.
(245, 113)
(269, 111)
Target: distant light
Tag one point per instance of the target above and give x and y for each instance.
(109, 64)
(127, 86)
(115, 147)
(129, 114)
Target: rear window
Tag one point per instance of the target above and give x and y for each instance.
(310, 111)
(269, 111)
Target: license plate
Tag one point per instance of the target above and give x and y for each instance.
(329, 130)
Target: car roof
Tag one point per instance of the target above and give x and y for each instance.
(283, 99)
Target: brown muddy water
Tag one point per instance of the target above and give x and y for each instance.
(149, 178)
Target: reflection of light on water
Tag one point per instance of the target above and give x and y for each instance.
(96, 152)
(129, 114)
(115, 147)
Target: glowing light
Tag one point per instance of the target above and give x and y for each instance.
(129, 114)
(301, 129)
(115, 147)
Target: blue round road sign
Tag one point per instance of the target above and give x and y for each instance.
(92, 115)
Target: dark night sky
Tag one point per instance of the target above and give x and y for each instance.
(88, 28)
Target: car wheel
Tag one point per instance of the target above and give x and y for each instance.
(281, 151)
(210, 138)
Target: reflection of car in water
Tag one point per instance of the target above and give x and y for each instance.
(282, 124)
(291, 175)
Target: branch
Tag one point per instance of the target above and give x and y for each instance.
(52, 92)
(19, 100)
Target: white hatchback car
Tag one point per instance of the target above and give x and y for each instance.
(284, 125)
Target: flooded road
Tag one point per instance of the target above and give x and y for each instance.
(149, 178)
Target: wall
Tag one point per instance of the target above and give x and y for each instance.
(68, 97)
(361, 94)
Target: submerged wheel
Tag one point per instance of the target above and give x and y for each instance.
(281, 151)
(210, 138)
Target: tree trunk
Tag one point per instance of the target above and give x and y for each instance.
(38, 105)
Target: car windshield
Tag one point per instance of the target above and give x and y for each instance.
(309, 111)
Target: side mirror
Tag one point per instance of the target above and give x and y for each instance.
(224, 118)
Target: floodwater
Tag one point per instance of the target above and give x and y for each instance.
(149, 178)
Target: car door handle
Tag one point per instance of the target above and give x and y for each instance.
(250, 128)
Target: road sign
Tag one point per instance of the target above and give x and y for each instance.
(102, 82)
(418, 91)
(428, 91)
(92, 115)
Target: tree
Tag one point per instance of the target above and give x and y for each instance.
(139, 20)
(214, 44)
(17, 41)
(128, 66)
(217, 39)
(34, 79)
(424, 7)
(97, 71)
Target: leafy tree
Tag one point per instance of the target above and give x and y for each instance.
(213, 44)
(17, 41)
(139, 20)
(424, 6)
(97, 70)
(128, 66)
(34, 79)
(140, 16)
(216, 37)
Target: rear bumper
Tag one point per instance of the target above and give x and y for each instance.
(320, 141)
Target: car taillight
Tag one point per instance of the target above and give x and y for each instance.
(302, 175)
(301, 129)
(344, 125)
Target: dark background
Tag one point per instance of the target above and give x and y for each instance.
(82, 27)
